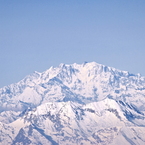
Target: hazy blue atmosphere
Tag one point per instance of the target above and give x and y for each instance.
(35, 35)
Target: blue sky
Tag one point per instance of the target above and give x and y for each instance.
(35, 35)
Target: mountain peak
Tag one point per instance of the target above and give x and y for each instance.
(87, 103)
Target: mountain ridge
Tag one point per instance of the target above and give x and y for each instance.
(74, 104)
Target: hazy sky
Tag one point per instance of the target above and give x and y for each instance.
(35, 35)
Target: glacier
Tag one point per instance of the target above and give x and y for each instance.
(82, 104)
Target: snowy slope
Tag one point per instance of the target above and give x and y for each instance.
(85, 103)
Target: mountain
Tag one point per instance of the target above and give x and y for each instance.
(80, 104)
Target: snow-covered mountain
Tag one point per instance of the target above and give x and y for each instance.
(78, 104)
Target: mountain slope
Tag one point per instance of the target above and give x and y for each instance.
(74, 104)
